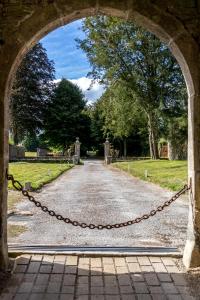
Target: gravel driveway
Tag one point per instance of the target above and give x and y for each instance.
(94, 193)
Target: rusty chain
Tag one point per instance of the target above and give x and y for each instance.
(19, 187)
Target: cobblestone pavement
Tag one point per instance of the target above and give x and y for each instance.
(96, 278)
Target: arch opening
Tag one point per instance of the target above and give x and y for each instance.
(177, 46)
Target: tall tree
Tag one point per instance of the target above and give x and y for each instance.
(65, 118)
(121, 113)
(174, 127)
(121, 51)
(31, 92)
(94, 112)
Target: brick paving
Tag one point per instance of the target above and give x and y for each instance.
(96, 278)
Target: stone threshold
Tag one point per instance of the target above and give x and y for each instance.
(94, 251)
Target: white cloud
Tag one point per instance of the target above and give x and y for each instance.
(57, 81)
(84, 83)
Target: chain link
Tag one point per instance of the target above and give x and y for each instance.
(19, 187)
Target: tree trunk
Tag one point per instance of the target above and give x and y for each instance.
(150, 144)
(125, 147)
(153, 136)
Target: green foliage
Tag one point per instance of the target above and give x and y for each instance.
(124, 54)
(65, 117)
(85, 132)
(122, 117)
(95, 113)
(30, 154)
(31, 142)
(11, 141)
(120, 50)
(117, 115)
(168, 174)
(31, 92)
(121, 112)
(36, 173)
(97, 138)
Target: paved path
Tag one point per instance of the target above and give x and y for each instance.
(98, 194)
(62, 277)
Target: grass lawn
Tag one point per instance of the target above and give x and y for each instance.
(36, 173)
(15, 230)
(167, 174)
(30, 154)
(14, 198)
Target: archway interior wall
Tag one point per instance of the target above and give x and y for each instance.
(182, 45)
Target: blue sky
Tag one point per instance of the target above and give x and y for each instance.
(70, 62)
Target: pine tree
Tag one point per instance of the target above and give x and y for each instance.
(65, 119)
(31, 92)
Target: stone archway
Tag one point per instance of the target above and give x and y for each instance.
(24, 23)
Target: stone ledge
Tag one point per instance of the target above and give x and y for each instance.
(15, 249)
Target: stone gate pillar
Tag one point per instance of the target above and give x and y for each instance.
(191, 257)
(4, 158)
(77, 151)
(107, 157)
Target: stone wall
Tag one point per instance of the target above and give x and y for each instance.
(16, 152)
(177, 22)
(42, 152)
